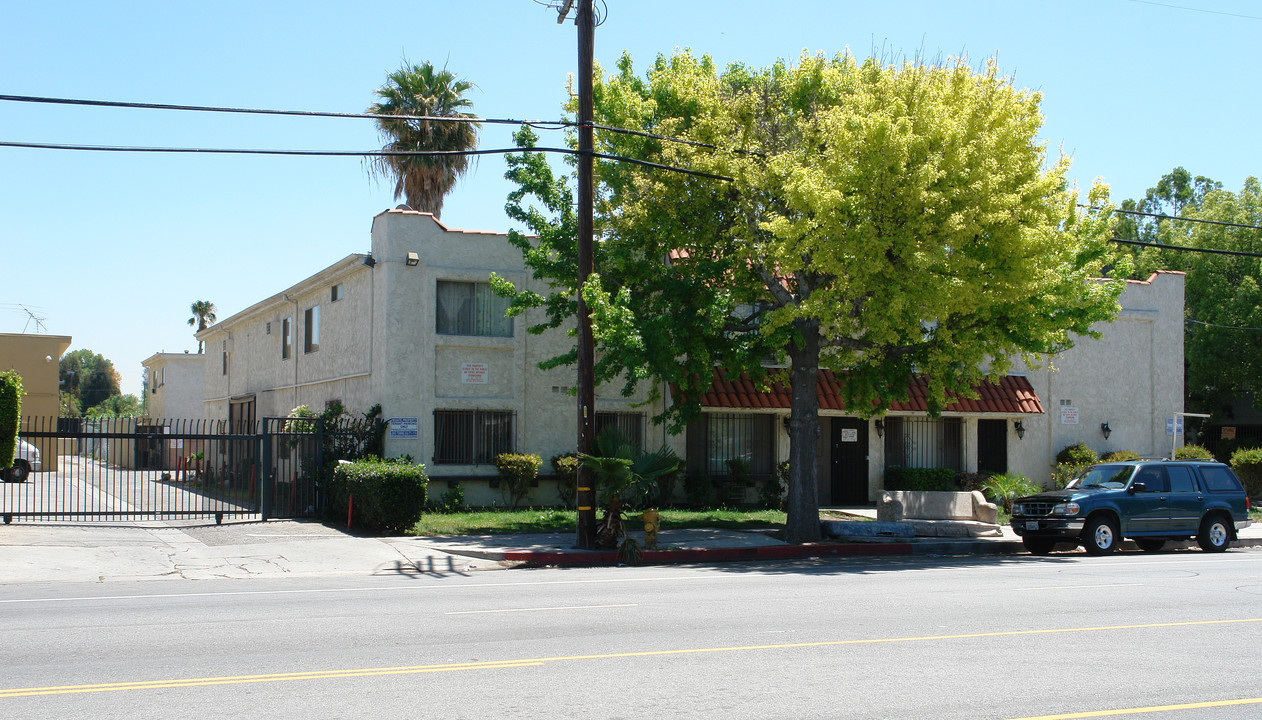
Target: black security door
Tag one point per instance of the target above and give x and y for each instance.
(992, 446)
(850, 462)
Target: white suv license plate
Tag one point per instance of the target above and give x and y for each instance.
(1031, 524)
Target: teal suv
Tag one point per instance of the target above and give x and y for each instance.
(1149, 501)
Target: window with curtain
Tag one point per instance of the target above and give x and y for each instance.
(471, 437)
(471, 308)
(744, 437)
(924, 443)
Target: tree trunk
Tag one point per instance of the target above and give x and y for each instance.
(802, 524)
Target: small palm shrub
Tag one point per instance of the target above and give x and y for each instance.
(1003, 489)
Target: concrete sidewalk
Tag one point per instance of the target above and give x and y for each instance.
(48, 553)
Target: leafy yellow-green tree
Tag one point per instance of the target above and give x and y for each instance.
(424, 92)
(883, 221)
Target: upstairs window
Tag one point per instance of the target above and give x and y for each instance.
(469, 308)
(311, 330)
(286, 339)
(336, 293)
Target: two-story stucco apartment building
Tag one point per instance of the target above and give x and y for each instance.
(413, 326)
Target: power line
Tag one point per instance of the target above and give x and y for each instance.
(1192, 9)
(1159, 246)
(352, 153)
(1224, 327)
(1163, 216)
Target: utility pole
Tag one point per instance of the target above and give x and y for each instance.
(585, 499)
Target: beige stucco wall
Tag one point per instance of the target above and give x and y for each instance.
(176, 384)
(36, 358)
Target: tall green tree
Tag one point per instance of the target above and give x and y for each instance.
(424, 92)
(1223, 298)
(1176, 193)
(884, 221)
(203, 317)
(87, 378)
(10, 415)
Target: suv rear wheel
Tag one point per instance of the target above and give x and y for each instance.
(1099, 537)
(1215, 535)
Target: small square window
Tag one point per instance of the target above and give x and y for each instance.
(336, 293)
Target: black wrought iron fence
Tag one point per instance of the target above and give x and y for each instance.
(129, 469)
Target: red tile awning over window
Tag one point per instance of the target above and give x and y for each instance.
(1013, 394)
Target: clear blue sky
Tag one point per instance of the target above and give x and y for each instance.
(111, 249)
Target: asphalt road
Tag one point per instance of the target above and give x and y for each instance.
(1176, 635)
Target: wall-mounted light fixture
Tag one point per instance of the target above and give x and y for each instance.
(880, 428)
(369, 261)
(1104, 428)
(1019, 427)
(413, 259)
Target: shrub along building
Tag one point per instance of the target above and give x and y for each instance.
(413, 326)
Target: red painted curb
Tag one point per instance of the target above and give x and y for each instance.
(697, 555)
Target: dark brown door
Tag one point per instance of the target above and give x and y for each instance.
(992, 446)
(850, 462)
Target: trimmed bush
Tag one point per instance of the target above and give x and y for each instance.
(1078, 454)
(1247, 464)
(566, 469)
(388, 496)
(1065, 472)
(1120, 456)
(1193, 452)
(10, 414)
(903, 478)
(971, 481)
(519, 471)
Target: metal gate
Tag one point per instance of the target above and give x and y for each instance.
(127, 469)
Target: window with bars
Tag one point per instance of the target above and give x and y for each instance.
(745, 437)
(924, 443)
(630, 425)
(471, 308)
(471, 437)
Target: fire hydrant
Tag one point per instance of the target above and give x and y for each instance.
(652, 520)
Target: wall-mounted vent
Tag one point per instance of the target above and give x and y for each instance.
(268, 328)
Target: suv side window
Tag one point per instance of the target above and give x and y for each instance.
(1153, 479)
(1219, 479)
(1180, 478)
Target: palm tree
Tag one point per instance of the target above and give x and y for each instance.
(421, 90)
(203, 317)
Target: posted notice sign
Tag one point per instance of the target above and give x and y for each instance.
(474, 373)
(1068, 415)
(404, 428)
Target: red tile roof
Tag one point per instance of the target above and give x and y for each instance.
(1013, 394)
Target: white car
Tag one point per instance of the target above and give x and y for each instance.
(25, 461)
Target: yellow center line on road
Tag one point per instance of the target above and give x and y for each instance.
(1150, 709)
(536, 662)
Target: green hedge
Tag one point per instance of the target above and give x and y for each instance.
(566, 469)
(1193, 452)
(1078, 454)
(388, 496)
(903, 478)
(10, 414)
(1247, 464)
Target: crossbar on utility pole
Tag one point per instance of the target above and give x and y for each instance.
(586, 495)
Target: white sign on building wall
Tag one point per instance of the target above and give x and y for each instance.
(849, 435)
(404, 428)
(1069, 416)
(474, 373)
